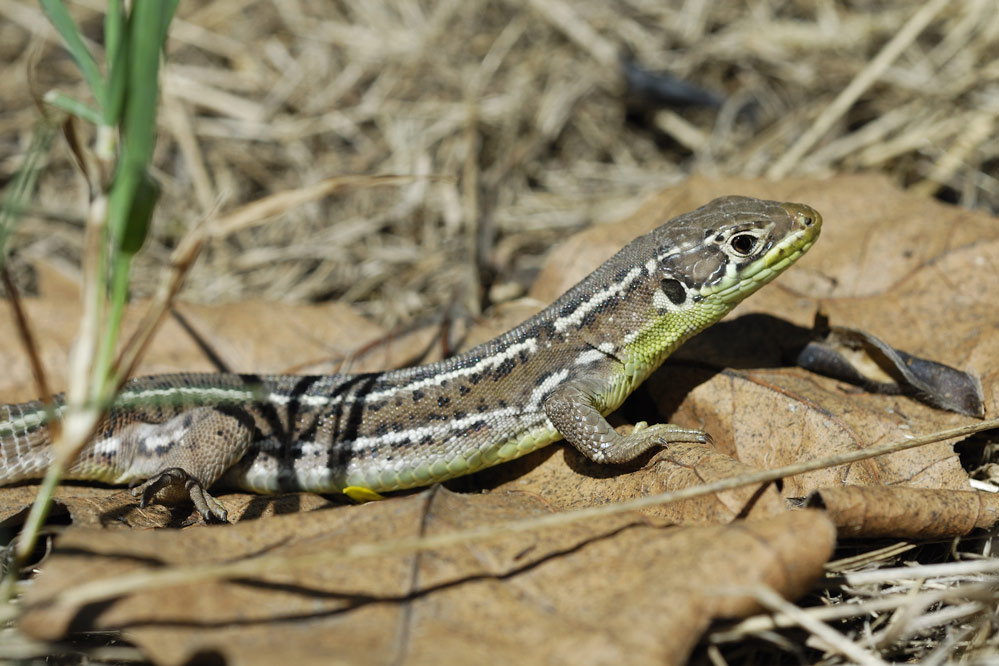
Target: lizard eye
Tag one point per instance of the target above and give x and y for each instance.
(743, 244)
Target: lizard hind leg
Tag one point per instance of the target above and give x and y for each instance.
(181, 458)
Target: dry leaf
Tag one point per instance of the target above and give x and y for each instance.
(586, 593)
(760, 412)
(86, 506)
(89, 506)
(866, 361)
(566, 479)
(246, 337)
(264, 337)
(906, 513)
(613, 589)
(889, 262)
(772, 418)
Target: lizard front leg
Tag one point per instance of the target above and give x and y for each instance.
(572, 409)
(184, 456)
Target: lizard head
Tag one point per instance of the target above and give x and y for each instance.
(698, 266)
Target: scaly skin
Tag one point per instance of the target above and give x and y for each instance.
(555, 376)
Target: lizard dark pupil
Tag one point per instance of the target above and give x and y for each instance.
(743, 243)
(674, 290)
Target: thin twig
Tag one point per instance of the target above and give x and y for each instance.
(967, 568)
(26, 335)
(760, 623)
(832, 638)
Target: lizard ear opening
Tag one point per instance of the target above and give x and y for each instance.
(673, 290)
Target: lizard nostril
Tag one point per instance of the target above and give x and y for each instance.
(803, 217)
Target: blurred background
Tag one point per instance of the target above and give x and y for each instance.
(526, 121)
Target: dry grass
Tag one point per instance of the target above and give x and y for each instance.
(521, 105)
(885, 606)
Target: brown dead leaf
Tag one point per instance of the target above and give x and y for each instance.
(614, 589)
(761, 413)
(89, 506)
(772, 418)
(566, 479)
(86, 506)
(611, 589)
(944, 310)
(914, 272)
(54, 321)
(906, 513)
(874, 235)
(247, 337)
(272, 337)
(252, 336)
(866, 361)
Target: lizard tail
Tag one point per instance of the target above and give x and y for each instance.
(25, 442)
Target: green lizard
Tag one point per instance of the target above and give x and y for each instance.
(555, 376)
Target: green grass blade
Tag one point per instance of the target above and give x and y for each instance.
(115, 52)
(138, 122)
(167, 10)
(117, 84)
(114, 27)
(73, 106)
(147, 193)
(56, 11)
(134, 193)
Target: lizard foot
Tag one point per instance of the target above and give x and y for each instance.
(175, 477)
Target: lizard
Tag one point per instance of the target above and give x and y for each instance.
(556, 376)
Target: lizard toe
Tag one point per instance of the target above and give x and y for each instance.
(205, 503)
(179, 484)
(172, 477)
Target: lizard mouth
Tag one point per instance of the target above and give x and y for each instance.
(806, 223)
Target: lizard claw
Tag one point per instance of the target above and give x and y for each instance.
(205, 503)
(175, 477)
